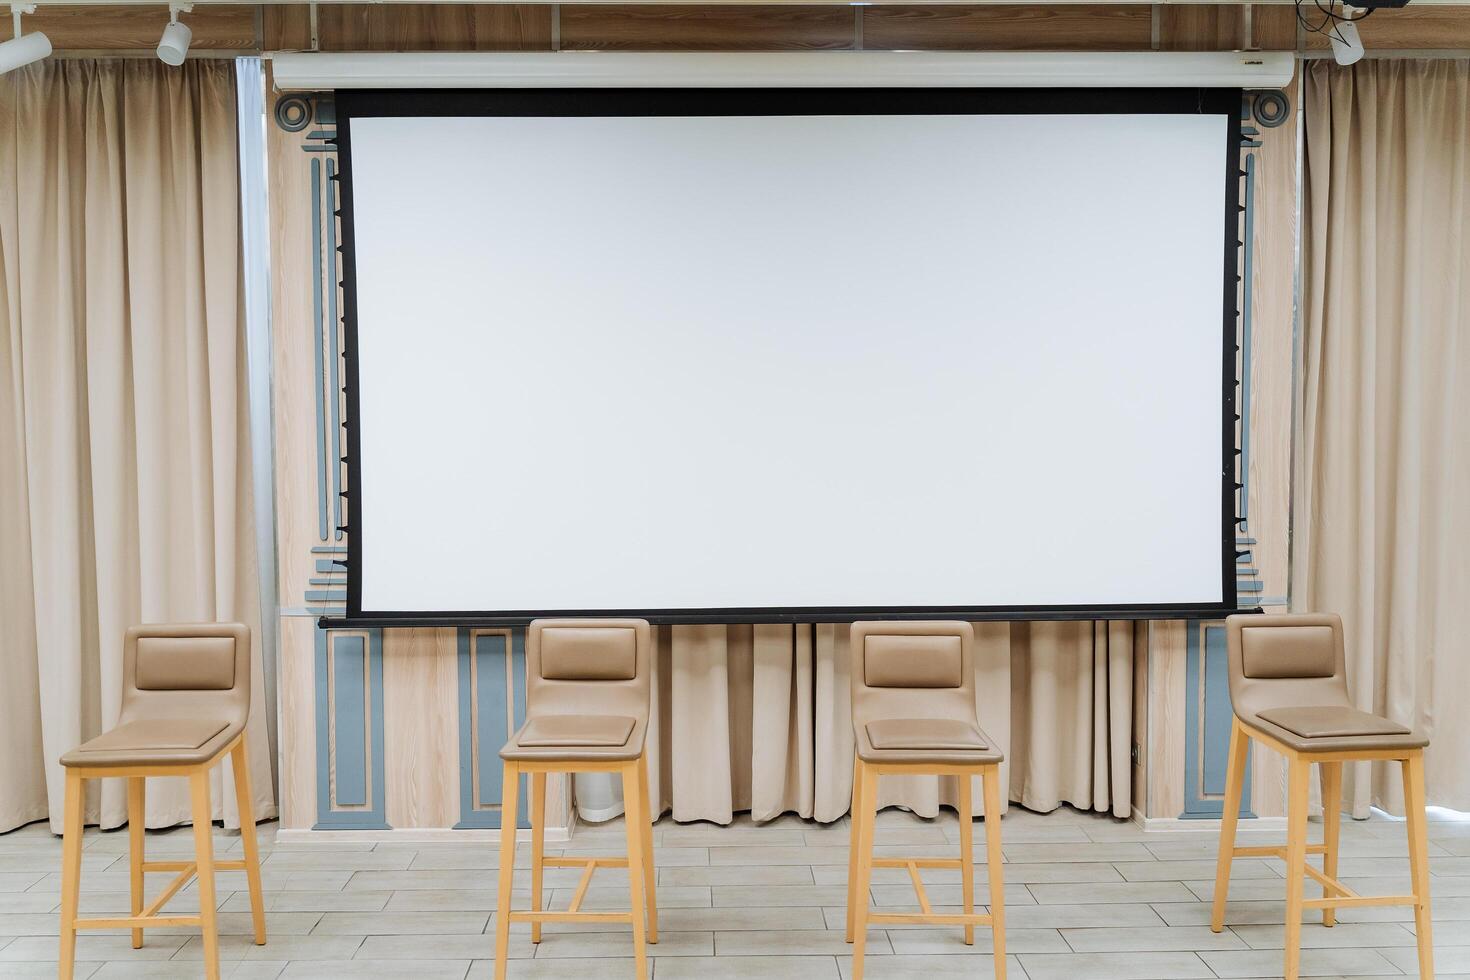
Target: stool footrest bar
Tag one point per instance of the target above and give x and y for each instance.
(581, 862)
(885, 862)
(1359, 901)
(571, 917)
(932, 919)
(1276, 852)
(138, 922)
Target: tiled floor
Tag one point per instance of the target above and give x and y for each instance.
(1088, 897)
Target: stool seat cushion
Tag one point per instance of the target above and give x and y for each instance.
(934, 741)
(924, 733)
(1331, 728)
(574, 730)
(1331, 722)
(577, 737)
(154, 741)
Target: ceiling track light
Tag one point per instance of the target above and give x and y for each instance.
(1347, 45)
(173, 46)
(23, 49)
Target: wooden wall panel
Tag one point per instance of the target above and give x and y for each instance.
(285, 27)
(1114, 27)
(1409, 28)
(1200, 27)
(1167, 667)
(434, 27)
(1273, 27)
(421, 726)
(653, 27)
(102, 28)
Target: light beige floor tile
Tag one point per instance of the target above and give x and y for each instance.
(357, 969)
(1447, 959)
(726, 919)
(453, 899)
(1375, 935)
(282, 948)
(778, 855)
(90, 948)
(782, 874)
(950, 941)
(596, 945)
(19, 881)
(1110, 893)
(1315, 963)
(305, 901)
(1081, 916)
(612, 968)
(908, 967)
(1039, 853)
(731, 837)
(603, 898)
(474, 946)
(399, 923)
(1113, 966)
(947, 893)
(1150, 939)
(796, 942)
(743, 968)
(757, 896)
(1194, 870)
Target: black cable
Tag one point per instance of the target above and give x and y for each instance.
(1327, 27)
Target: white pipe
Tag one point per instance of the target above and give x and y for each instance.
(309, 71)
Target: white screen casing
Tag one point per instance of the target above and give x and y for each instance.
(716, 362)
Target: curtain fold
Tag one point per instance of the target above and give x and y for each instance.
(125, 493)
(758, 719)
(1381, 524)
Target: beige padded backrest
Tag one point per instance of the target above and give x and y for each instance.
(581, 653)
(912, 661)
(1285, 660)
(187, 670)
(1288, 651)
(179, 663)
(589, 667)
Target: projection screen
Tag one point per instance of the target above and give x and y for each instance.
(720, 356)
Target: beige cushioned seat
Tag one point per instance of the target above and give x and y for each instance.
(185, 696)
(587, 691)
(913, 694)
(1288, 680)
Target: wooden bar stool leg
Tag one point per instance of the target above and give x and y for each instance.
(967, 850)
(240, 766)
(1299, 772)
(1419, 860)
(71, 873)
(1331, 776)
(633, 810)
(538, 846)
(136, 810)
(1229, 817)
(650, 873)
(866, 817)
(854, 843)
(508, 804)
(204, 859)
(990, 778)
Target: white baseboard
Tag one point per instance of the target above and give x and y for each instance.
(413, 835)
(1180, 825)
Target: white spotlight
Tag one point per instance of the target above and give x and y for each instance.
(23, 49)
(1347, 46)
(174, 45)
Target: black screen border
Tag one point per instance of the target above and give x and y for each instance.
(357, 103)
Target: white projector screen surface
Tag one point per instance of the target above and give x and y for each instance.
(787, 362)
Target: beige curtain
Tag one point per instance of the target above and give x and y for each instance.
(124, 449)
(1382, 523)
(757, 718)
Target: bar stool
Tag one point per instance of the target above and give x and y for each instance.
(1288, 685)
(185, 699)
(587, 696)
(913, 712)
